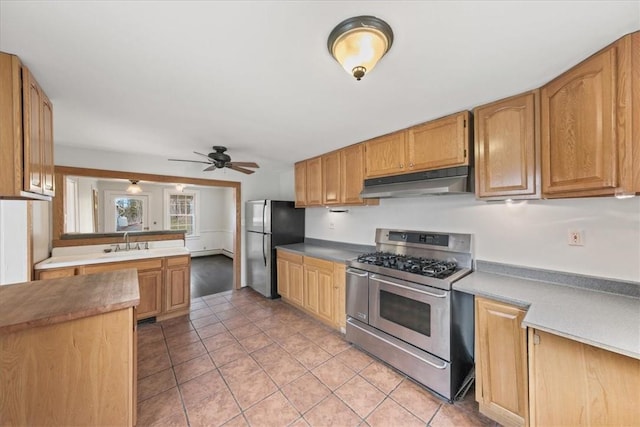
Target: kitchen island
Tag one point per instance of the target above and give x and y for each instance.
(68, 350)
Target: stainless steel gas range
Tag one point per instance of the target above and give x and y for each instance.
(400, 306)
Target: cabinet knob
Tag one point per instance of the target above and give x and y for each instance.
(401, 165)
(410, 165)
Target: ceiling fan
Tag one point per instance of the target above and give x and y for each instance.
(219, 159)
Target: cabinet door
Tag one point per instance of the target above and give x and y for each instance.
(314, 182)
(150, 287)
(296, 279)
(578, 128)
(300, 173)
(385, 155)
(177, 288)
(501, 362)
(331, 179)
(325, 294)
(48, 180)
(352, 173)
(507, 148)
(578, 384)
(339, 295)
(32, 107)
(440, 143)
(311, 289)
(282, 267)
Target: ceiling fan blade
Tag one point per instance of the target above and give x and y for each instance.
(210, 168)
(200, 154)
(238, 168)
(191, 161)
(245, 164)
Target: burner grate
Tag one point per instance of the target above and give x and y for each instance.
(423, 266)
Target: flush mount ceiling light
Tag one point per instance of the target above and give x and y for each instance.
(134, 188)
(359, 43)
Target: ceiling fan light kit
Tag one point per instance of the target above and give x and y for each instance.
(218, 159)
(358, 43)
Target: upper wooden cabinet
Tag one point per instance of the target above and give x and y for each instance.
(308, 182)
(385, 155)
(335, 178)
(26, 134)
(314, 181)
(437, 144)
(300, 175)
(501, 362)
(441, 143)
(331, 179)
(507, 148)
(352, 175)
(590, 124)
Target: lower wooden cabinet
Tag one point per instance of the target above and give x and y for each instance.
(318, 288)
(314, 285)
(150, 285)
(177, 283)
(501, 362)
(78, 372)
(165, 283)
(577, 384)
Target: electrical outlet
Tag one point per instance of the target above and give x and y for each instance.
(332, 226)
(575, 238)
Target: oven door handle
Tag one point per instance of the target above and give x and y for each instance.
(428, 362)
(378, 279)
(350, 271)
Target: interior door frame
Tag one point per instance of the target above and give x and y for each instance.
(58, 203)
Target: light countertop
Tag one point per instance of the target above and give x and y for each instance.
(605, 320)
(102, 257)
(46, 302)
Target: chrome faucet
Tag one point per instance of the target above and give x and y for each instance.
(127, 245)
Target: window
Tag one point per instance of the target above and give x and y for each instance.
(181, 211)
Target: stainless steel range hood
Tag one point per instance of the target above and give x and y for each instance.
(456, 180)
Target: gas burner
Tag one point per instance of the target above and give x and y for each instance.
(416, 265)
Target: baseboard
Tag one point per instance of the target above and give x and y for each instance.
(208, 252)
(195, 254)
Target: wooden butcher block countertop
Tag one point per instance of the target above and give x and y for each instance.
(46, 302)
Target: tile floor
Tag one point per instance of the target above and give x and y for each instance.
(240, 360)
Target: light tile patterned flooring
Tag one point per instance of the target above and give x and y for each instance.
(239, 359)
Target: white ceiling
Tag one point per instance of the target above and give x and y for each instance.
(172, 77)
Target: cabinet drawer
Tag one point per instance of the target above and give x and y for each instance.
(56, 273)
(179, 260)
(318, 263)
(148, 264)
(288, 256)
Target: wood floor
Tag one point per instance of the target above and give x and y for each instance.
(211, 275)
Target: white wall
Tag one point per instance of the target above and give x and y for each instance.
(13, 242)
(263, 184)
(532, 233)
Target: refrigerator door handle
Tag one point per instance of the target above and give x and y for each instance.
(264, 211)
(264, 254)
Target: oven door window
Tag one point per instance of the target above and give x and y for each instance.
(411, 314)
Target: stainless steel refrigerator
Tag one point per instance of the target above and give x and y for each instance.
(269, 223)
